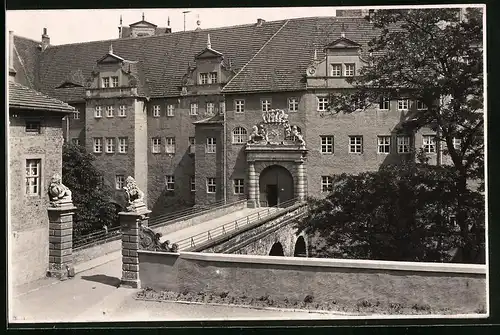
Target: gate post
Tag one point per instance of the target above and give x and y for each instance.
(61, 241)
(130, 223)
(131, 220)
(60, 212)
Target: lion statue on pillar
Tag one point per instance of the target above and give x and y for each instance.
(134, 196)
(58, 192)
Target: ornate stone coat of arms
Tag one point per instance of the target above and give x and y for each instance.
(275, 129)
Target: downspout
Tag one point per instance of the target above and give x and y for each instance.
(67, 128)
(224, 152)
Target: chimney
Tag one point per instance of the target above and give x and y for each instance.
(260, 22)
(168, 30)
(12, 71)
(45, 39)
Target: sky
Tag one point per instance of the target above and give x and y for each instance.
(74, 26)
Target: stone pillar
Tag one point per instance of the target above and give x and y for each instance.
(252, 186)
(61, 241)
(301, 190)
(130, 223)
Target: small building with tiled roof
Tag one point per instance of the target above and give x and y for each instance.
(35, 155)
(176, 110)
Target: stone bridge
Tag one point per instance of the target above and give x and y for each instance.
(275, 235)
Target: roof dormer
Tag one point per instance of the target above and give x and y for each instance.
(110, 57)
(142, 28)
(208, 52)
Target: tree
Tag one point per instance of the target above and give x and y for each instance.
(90, 195)
(434, 56)
(400, 213)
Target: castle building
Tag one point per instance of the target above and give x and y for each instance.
(226, 113)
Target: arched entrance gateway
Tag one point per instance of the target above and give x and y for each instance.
(275, 185)
(276, 153)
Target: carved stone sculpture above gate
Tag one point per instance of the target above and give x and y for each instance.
(275, 129)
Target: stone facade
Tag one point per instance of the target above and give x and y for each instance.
(29, 221)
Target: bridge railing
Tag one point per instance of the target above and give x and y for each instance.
(229, 227)
(112, 234)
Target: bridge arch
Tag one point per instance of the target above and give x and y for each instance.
(277, 250)
(300, 249)
(276, 185)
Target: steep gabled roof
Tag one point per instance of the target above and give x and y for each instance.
(164, 58)
(281, 64)
(26, 60)
(23, 97)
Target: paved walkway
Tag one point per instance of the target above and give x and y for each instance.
(95, 284)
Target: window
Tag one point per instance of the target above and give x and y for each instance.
(239, 135)
(457, 143)
(194, 109)
(239, 106)
(170, 183)
(75, 141)
(114, 81)
(76, 114)
(109, 111)
(110, 145)
(336, 70)
(421, 106)
(122, 145)
(429, 144)
(203, 78)
(192, 145)
(170, 145)
(265, 105)
(403, 144)
(119, 181)
(327, 144)
(122, 111)
(322, 104)
(155, 145)
(239, 186)
(210, 185)
(97, 144)
(403, 104)
(293, 104)
(211, 145)
(384, 144)
(193, 184)
(349, 70)
(210, 108)
(385, 103)
(326, 184)
(355, 144)
(33, 176)
(170, 110)
(156, 111)
(98, 111)
(33, 126)
(105, 82)
(222, 107)
(213, 77)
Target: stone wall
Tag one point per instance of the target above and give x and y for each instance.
(29, 222)
(347, 282)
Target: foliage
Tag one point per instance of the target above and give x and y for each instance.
(401, 212)
(433, 56)
(90, 194)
